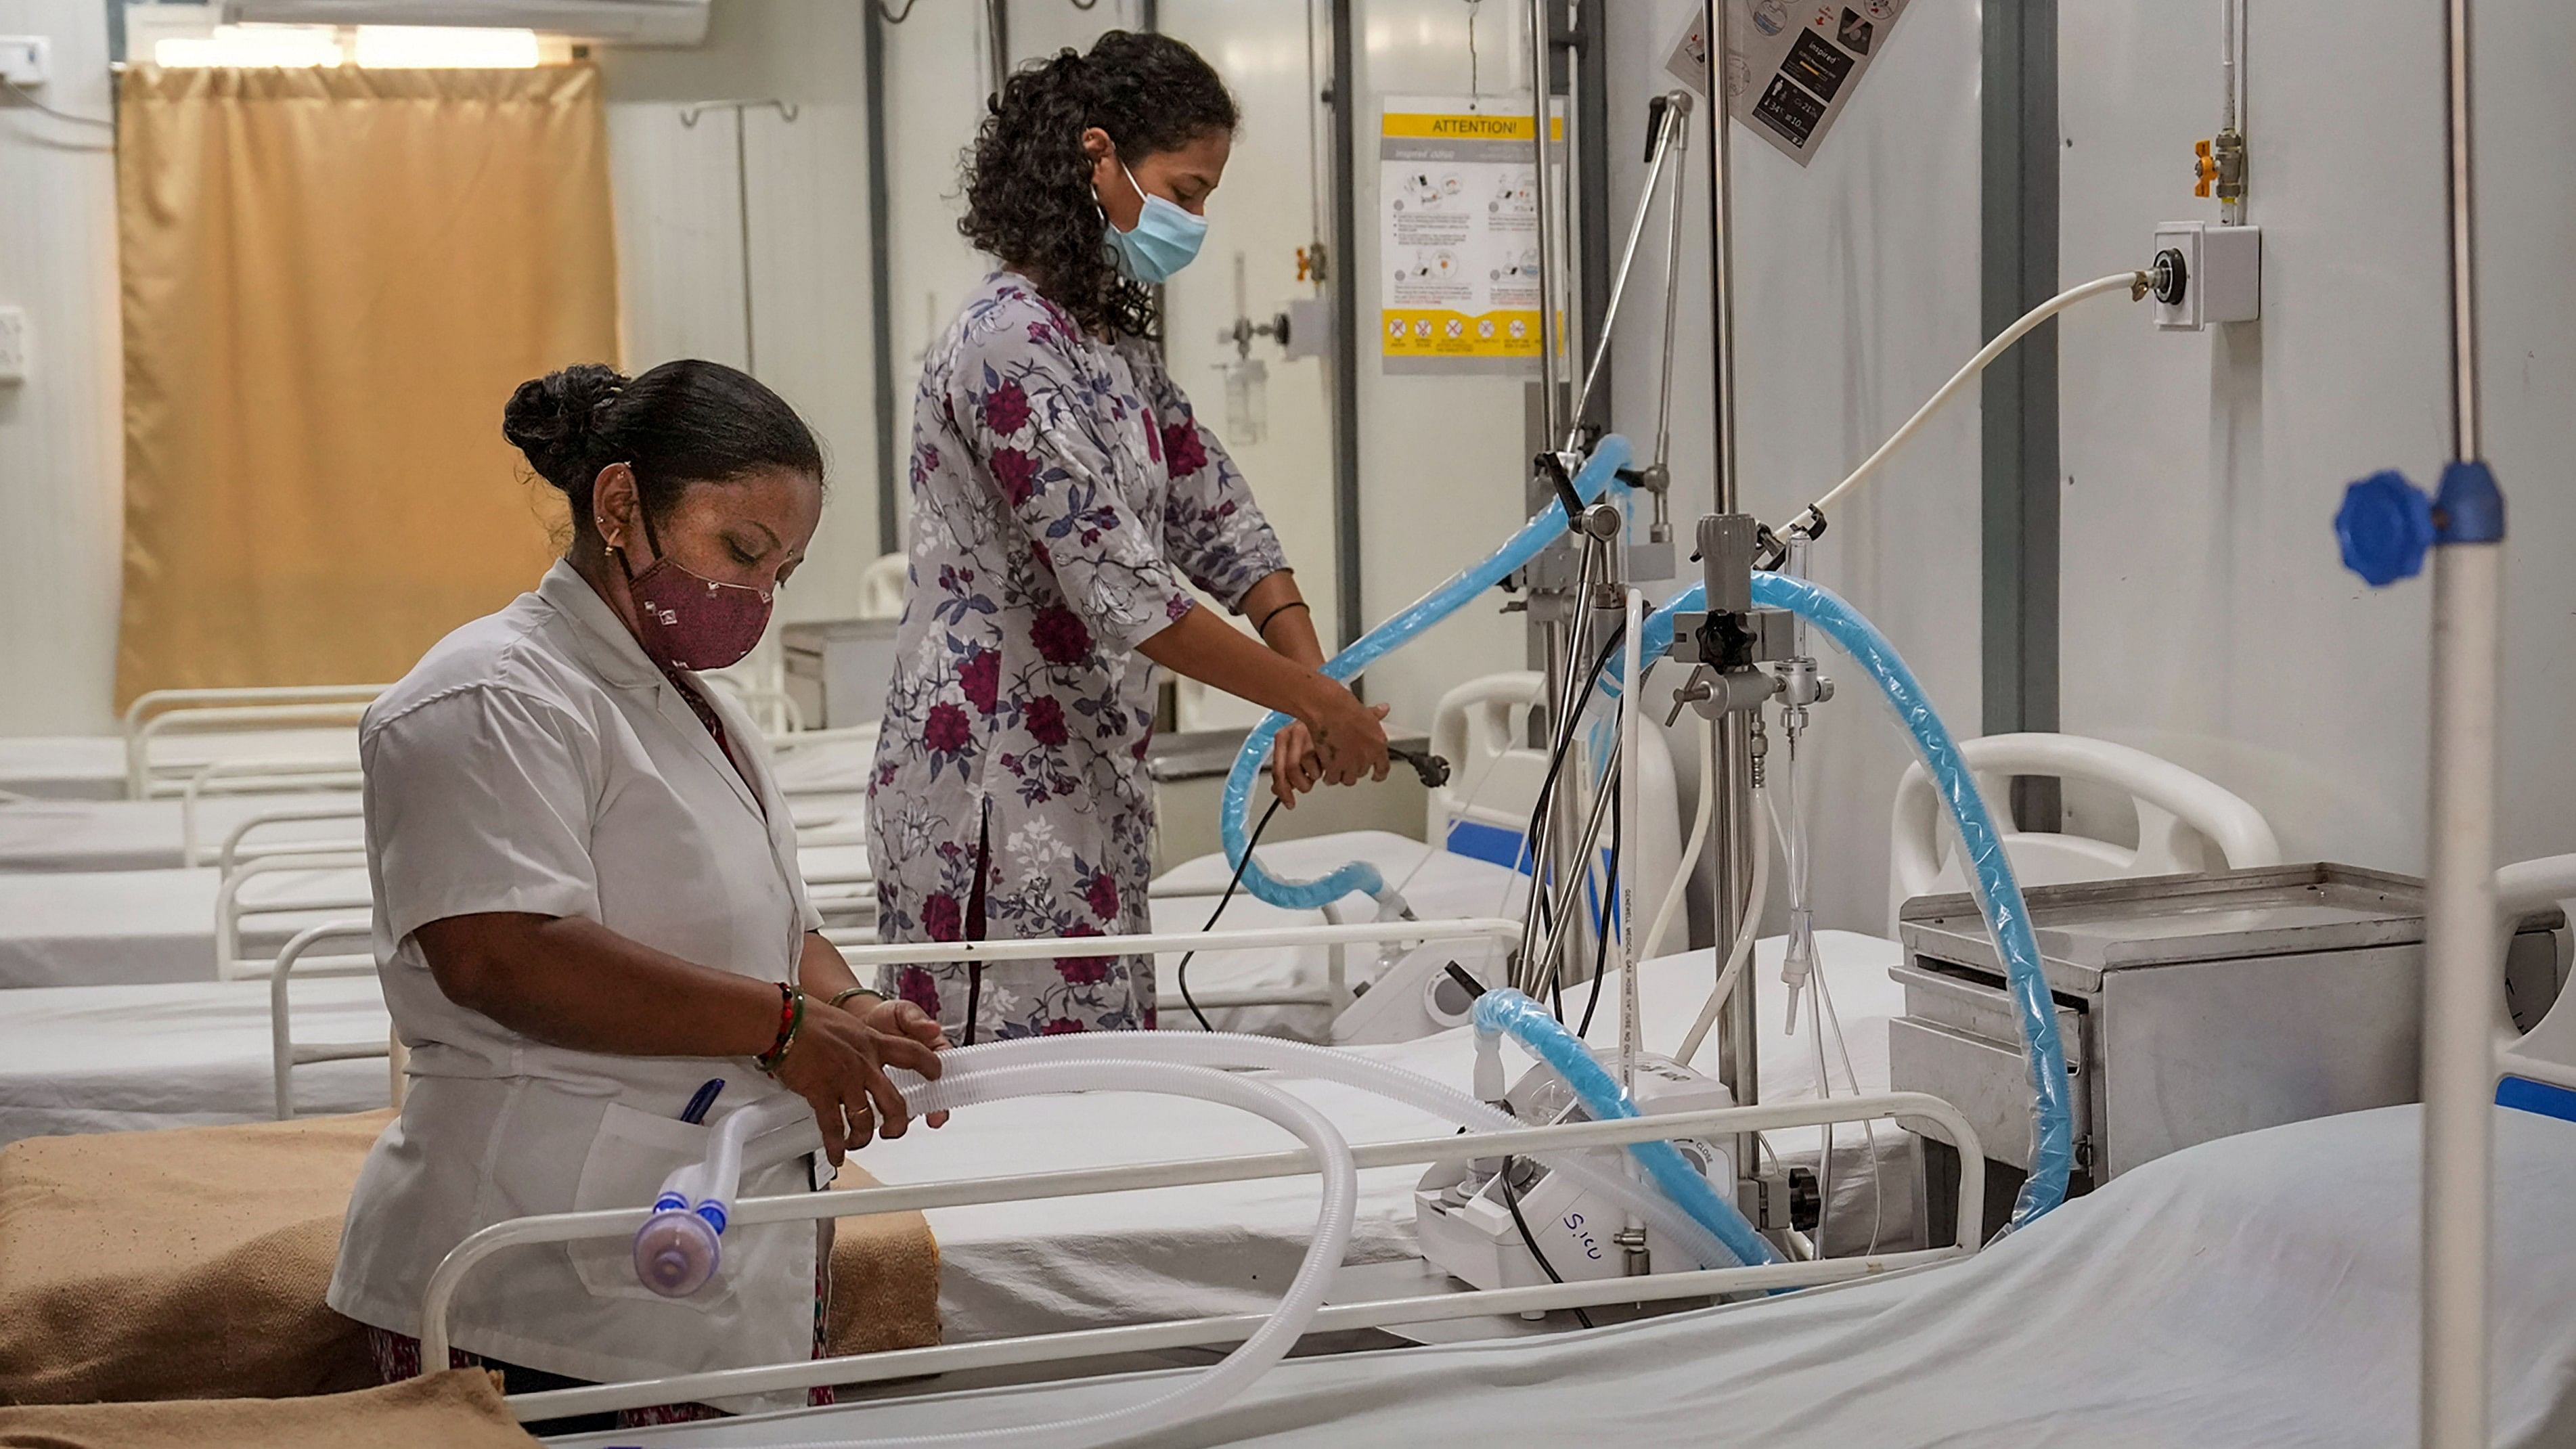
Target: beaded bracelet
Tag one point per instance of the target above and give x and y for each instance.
(791, 1019)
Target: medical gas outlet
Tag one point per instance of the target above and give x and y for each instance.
(2204, 274)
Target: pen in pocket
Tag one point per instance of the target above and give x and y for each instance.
(705, 1097)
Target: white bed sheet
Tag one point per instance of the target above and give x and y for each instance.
(92, 767)
(138, 927)
(836, 766)
(1436, 883)
(115, 835)
(122, 1058)
(2259, 1289)
(1030, 1267)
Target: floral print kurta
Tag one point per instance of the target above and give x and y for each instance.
(1062, 492)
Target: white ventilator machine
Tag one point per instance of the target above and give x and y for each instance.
(1515, 1223)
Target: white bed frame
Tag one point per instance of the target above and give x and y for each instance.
(284, 1054)
(256, 776)
(1913, 1107)
(161, 713)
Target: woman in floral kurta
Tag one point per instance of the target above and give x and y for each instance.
(1065, 498)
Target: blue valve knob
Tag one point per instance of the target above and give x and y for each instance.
(2385, 526)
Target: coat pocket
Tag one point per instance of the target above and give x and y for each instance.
(628, 1159)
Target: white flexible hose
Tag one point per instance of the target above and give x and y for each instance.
(1755, 896)
(1672, 904)
(1230, 1050)
(964, 1084)
(2132, 282)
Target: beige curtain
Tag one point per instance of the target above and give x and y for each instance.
(332, 280)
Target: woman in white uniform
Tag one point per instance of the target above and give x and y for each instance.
(588, 910)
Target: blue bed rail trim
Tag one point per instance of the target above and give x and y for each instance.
(1498, 845)
(2525, 1095)
(1493, 844)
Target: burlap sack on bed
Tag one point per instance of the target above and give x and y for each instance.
(459, 1410)
(191, 1263)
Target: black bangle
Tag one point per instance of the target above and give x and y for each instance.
(1263, 628)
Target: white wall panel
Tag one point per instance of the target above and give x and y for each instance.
(1442, 459)
(679, 194)
(1264, 212)
(62, 456)
(1856, 296)
(2206, 615)
(935, 92)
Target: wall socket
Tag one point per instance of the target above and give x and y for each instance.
(13, 345)
(25, 59)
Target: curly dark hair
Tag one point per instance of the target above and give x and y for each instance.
(1028, 182)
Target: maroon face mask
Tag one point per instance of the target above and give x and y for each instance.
(690, 621)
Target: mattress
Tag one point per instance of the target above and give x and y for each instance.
(121, 1058)
(838, 766)
(92, 767)
(137, 927)
(1436, 883)
(2259, 1289)
(108, 835)
(1009, 1268)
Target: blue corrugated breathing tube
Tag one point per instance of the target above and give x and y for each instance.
(1608, 457)
(1981, 848)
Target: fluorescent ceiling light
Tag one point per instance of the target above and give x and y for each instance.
(290, 46)
(424, 47)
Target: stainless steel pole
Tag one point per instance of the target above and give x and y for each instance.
(1721, 202)
(997, 42)
(1541, 196)
(1733, 837)
(2460, 1005)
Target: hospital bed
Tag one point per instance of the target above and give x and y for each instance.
(271, 878)
(1040, 1266)
(2258, 1289)
(165, 735)
(192, 801)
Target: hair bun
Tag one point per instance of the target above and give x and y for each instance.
(552, 419)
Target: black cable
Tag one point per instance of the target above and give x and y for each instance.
(1601, 943)
(1529, 1240)
(1181, 972)
(1547, 785)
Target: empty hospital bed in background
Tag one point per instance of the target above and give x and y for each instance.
(168, 734)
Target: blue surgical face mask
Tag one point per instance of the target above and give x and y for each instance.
(1165, 240)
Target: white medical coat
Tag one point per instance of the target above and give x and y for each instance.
(536, 761)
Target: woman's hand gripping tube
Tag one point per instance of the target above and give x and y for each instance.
(1529, 1023)
(679, 1248)
(1608, 457)
(1981, 848)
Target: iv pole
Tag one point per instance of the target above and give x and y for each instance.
(2459, 941)
(689, 118)
(2386, 527)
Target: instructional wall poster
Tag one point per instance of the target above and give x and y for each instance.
(1791, 68)
(1458, 234)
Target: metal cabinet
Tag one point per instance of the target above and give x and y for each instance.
(2192, 1007)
